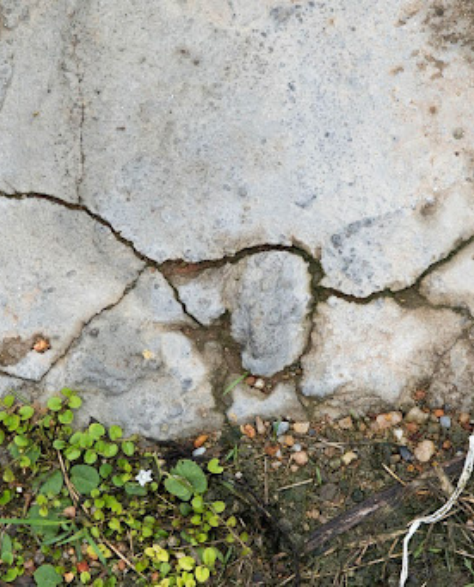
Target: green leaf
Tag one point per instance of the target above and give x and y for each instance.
(186, 563)
(21, 441)
(47, 576)
(59, 444)
(96, 431)
(193, 473)
(8, 401)
(218, 506)
(214, 467)
(12, 421)
(2, 436)
(105, 470)
(6, 553)
(54, 404)
(90, 457)
(110, 450)
(135, 489)
(179, 487)
(66, 417)
(40, 522)
(53, 485)
(75, 402)
(6, 497)
(128, 448)
(234, 383)
(72, 453)
(26, 412)
(202, 574)
(115, 432)
(84, 478)
(10, 575)
(209, 556)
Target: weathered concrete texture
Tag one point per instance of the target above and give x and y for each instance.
(453, 381)
(379, 349)
(135, 368)
(342, 126)
(452, 284)
(10, 384)
(40, 105)
(249, 402)
(268, 296)
(58, 268)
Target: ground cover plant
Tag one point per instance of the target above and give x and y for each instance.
(94, 508)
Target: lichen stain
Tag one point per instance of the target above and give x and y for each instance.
(13, 349)
(451, 23)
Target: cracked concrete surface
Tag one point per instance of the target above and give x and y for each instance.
(291, 184)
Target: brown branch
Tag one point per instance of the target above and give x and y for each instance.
(360, 513)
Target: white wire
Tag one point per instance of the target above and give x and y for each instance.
(441, 513)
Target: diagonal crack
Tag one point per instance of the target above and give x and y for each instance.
(128, 288)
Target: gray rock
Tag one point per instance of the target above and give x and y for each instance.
(269, 298)
(135, 368)
(453, 380)
(59, 268)
(40, 99)
(218, 128)
(364, 352)
(249, 403)
(452, 284)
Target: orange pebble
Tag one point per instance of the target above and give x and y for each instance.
(200, 440)
(438, 412)
(248, 430)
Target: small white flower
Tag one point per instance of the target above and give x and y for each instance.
(19, 489)
(144, 477)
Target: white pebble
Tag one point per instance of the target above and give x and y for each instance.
(296, 447)
(199, 451)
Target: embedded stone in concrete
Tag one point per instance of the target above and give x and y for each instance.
(58, 269)
(249, 403)
(135, 368)
(452, 284)
(268, 296)
(377, 351)
(40, 101)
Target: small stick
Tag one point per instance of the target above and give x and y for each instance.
(265, 479)
(72, 491)
(124, 558)
(295, 485)
(394, 475)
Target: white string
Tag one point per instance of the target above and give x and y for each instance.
(441, 513)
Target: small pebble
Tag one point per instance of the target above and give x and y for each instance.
(276, 464)
(248, 430)
(199, 451)
(301, 427)
(464, 418)
(261, 428)
(238, 475)
(406, 454)
(294, 468)
(300, 458)
(348, 457)
(445, 421)
(385, 421)
(287, 440)
(335, 463)
(438, 412)
(259, 383)
(398, 433)
(345, 423)
(425, 450)
(296, 447)
(282, 428)
(416, 415)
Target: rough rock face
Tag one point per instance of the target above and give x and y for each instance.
(268, 296)
(339, 126)
(453, 283)
(213, 131)
(136, 368)
(379, 349)
(59, 268)
(248, 403)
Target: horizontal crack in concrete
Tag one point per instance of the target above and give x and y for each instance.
(171, 267)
